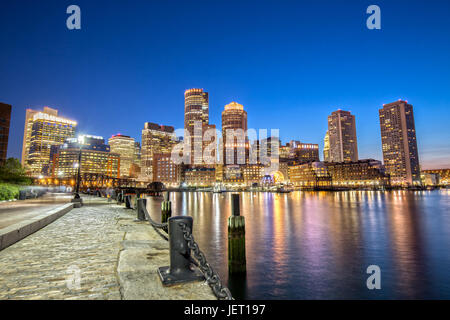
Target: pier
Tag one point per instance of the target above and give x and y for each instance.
(99, 251)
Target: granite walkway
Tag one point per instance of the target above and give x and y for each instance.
(96, 252)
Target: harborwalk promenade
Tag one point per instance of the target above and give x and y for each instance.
(98, 251)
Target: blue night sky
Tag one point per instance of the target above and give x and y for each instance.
(290, 63)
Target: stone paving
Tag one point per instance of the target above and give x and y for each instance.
(46, 264)
(97, 252)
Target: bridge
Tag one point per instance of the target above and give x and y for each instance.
(93, 183)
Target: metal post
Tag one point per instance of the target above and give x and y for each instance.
(77, 201)
(128, 202)
(236, 238)
(166, 209)
(141, 204)
(180, 269)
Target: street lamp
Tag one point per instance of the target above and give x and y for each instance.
(77, 199)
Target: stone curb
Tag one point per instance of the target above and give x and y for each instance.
(18, 231)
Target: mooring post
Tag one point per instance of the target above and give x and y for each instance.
(236, 238)
(141, 204)
(180, 269)
(166, 209)
(136, 199)
(128, 201)
(120, 199)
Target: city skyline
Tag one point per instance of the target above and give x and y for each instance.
(306, 88)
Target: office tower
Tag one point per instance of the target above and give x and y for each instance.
(342, 137)
(196, 108)
(398, 138)
(196, 122)
(156, 139)
(5, 119)
(124, 146)
(234, 128)
(326, 148)
(96, 158)
(43, 129)
(137, 153)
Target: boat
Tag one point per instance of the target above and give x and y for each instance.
(282, 190)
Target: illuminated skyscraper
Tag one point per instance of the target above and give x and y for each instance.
(196, 108)
(125, 147)
(5, 119)
(398, 138)
(196, 122)
(43, 129)
(342, 137)
(234, 128)
(326, 148)
(156, 139)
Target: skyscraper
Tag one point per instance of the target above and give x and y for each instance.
(234, 128)
(43, 129)
(5, 119)
(125, 147)
(156, 139)
(326, 148)
(196, 108)
(196, 122)
(398, 138)
(342, 137)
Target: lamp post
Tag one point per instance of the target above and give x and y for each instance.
(77, 190)
(78, 202)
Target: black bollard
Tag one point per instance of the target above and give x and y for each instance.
(236, 238)
(141, 204)
(180, 269)
(120, 197)
(128, 202)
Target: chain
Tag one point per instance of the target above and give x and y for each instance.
(213, 280)
(153, 223)
(156, 225)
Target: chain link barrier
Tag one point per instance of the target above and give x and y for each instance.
(157, 226)
(212, 278)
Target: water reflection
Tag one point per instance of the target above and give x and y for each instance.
(310, 245)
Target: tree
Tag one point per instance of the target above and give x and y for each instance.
(13, 172)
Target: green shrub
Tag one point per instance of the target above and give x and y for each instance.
(8, 191)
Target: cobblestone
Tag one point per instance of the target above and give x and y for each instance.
(44, 265)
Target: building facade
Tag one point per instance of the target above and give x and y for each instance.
(5, 120)
(96, 158)
(398, 138)
(165, 171)
(196, 121)
(361, 173)
(156, 139)
(125, 146)
(200, 176)
(310, 175)
(43, 129)
(234, 134)
(442, 176)
(343, 145)
(326, 148)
